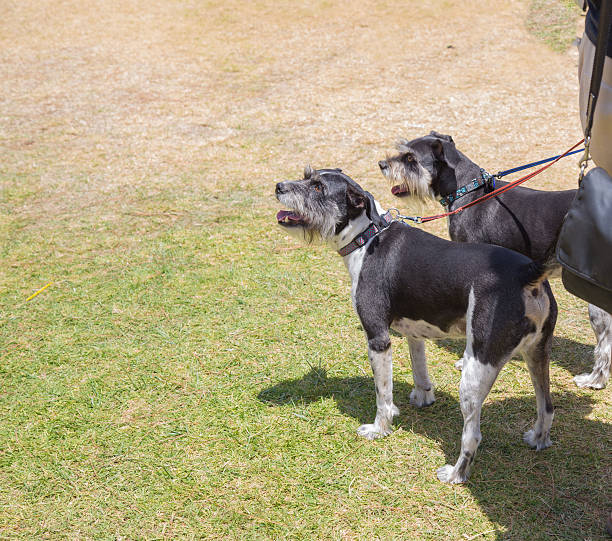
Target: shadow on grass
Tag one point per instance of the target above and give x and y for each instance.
(561, 493)
(575, 357)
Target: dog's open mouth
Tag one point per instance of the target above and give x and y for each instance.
(288, 218)
(399, 190)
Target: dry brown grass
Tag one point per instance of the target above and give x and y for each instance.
(122, 92)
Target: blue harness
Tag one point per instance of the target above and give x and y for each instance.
(484, 181)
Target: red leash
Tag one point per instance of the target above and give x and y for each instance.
(497, 191)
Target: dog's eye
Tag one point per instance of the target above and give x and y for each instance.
(409, 158)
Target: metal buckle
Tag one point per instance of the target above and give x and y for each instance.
(583, 163)
(402, 218)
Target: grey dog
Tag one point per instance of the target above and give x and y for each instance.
(423, 286)
(525, 220)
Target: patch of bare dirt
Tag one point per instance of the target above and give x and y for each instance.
(105, 96)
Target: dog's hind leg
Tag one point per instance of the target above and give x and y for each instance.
(379, 353)
(537, 358)
(537, 355)
(602, 326)
(423, 392)
(477, 379)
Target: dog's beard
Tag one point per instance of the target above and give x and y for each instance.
(319, 217)
(414, 181)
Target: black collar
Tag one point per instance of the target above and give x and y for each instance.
(363, 237)
(484, 181)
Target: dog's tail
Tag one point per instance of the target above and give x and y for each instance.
(537, 273)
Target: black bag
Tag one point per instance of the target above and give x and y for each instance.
(584, 249)
(585, 243)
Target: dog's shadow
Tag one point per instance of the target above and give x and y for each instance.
(559, 491)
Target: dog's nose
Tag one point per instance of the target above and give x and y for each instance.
(280, 188)
(383, 164)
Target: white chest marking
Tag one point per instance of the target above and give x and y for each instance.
(353, 263)
(354, 260)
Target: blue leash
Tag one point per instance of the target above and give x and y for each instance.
(516, 169)
(488, 180)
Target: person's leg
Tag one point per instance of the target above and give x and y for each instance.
(601, 134)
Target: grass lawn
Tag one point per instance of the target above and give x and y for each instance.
(192, 372)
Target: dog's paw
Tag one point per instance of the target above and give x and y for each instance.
(420, 398)
(595, 380)
(459, 364)
(373, 431)
(538, 443)
(447, 474)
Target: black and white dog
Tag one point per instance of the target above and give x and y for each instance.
(525, 220)
(426, 287)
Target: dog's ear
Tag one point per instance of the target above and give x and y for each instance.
(308, 172)
(362, 199)
(355, 198)
(444, 151)
(441, 136)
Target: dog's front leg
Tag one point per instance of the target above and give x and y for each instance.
(379, 353)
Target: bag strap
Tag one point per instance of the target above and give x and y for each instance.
(603, 31)
(605, 16)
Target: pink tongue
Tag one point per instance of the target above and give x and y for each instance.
(282, 214)
(395, 190)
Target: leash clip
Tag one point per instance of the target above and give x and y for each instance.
(489, 180)
(583, 163)
(402, 218)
